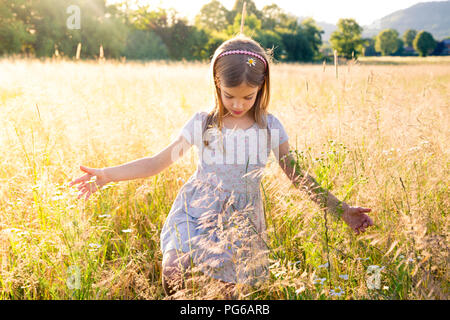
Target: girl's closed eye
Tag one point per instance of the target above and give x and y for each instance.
(246, 98)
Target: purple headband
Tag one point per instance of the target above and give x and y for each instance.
(226, 53)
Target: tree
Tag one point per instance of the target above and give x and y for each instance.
(251, 27)
(296, 45)
(215, 39)
(387, 42)
(273, 16)
(145, 45)
(15, 33)
(400, 48)
(250, 8)
(271, 41)
(313, 34)
(409, 36)
(424, 43)
(347, 38)
(212, 16)
(369, 47)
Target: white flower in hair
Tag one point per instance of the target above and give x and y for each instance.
(251, 61)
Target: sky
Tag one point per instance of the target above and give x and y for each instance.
(363, 11)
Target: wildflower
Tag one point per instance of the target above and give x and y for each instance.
(251, 62)
(336, 292)
(344, 276)
(375, 268)
(362, 259)
(94, 245)
(319, 280)
(105, 216)
(385, 288)
(127, 230)
(325, 265)
(300, 290)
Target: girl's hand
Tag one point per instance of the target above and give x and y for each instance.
(355, 218)
(87, 186)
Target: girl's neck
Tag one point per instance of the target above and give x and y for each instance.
(241, 123)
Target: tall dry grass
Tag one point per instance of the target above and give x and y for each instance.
(378, 137)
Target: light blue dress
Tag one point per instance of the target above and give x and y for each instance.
(218, 214)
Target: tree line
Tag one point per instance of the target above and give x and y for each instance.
(42, 27)
(348, 42)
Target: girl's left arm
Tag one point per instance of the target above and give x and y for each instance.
(355, 217)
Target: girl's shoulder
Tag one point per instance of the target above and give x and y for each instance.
(273, 121)
(200, 115)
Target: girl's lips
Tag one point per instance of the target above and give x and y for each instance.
(237, 112)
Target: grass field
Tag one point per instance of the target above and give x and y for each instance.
(376, 136)
(388, 60)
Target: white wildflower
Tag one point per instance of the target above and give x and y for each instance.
(300, 290)
(319, 280)
(336, 292)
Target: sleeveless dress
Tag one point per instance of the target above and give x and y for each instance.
(218, 215)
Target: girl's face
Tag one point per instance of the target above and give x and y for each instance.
(238, 100)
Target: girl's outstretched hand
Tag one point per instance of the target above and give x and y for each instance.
(356, 218)
(87, 185)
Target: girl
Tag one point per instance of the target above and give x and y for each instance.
(216, 223)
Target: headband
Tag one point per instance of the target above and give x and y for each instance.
(226, 53)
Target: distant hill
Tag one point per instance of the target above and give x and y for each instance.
(433, 17)
(328, 29)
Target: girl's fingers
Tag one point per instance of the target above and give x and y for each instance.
(368, 221)
(84, 178)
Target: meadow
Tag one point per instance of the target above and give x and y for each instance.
(376, 136)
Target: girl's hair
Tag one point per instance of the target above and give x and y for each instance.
(233, 70)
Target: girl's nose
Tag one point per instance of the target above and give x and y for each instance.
(237, 106)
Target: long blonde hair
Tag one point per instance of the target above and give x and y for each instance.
(233, 70)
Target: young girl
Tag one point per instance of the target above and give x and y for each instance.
(216, 223)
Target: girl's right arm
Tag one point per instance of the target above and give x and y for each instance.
(141, 168)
